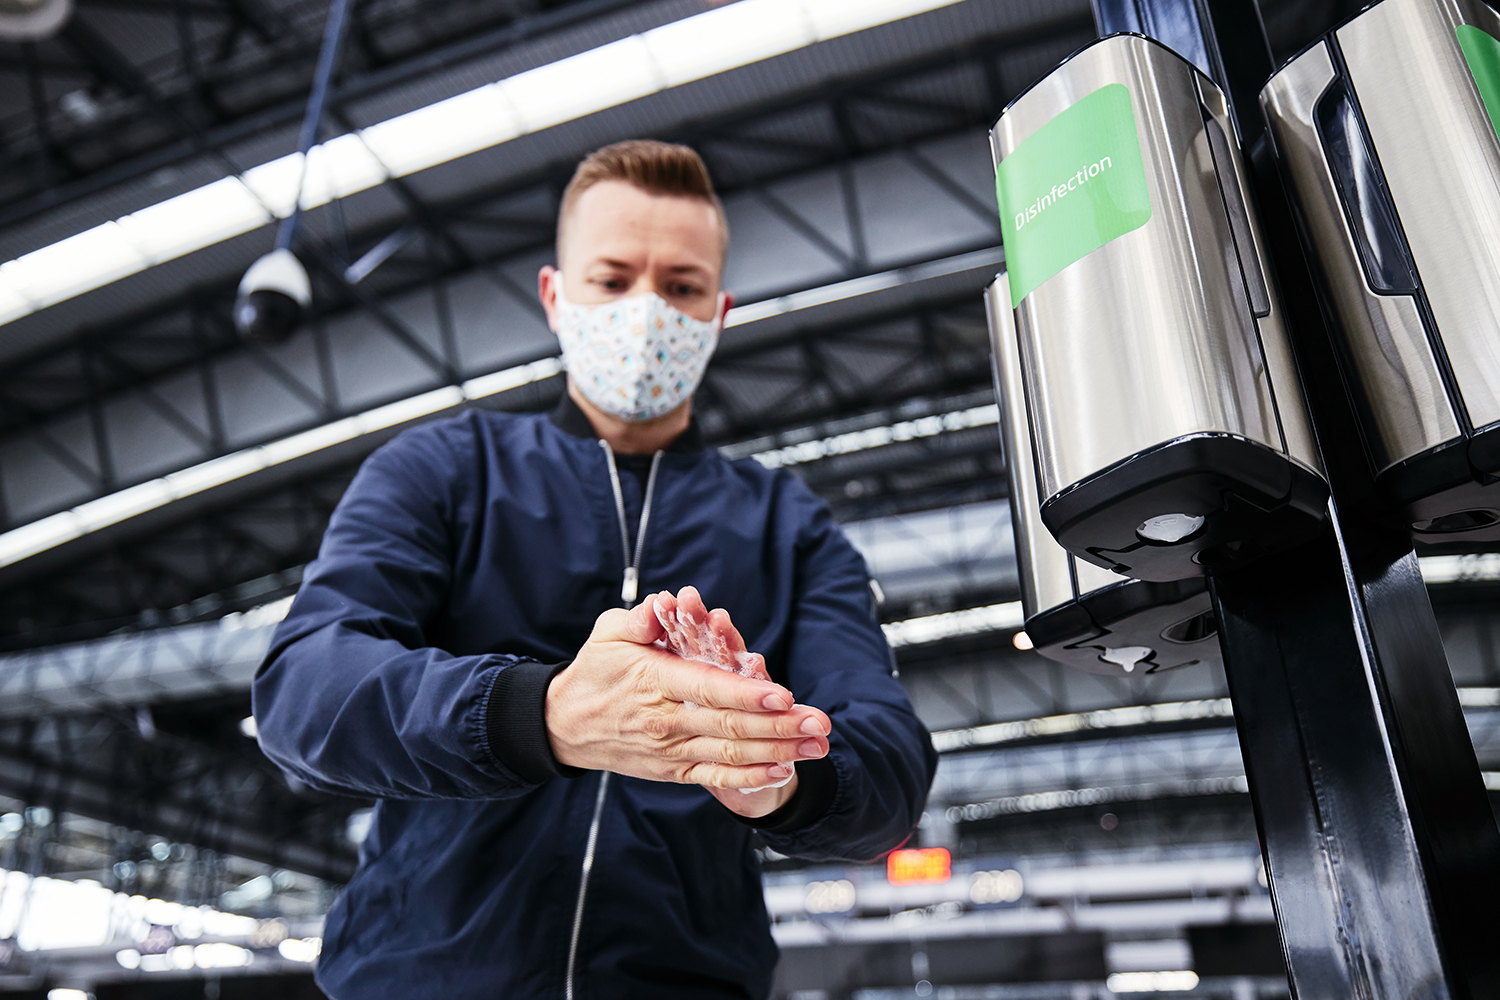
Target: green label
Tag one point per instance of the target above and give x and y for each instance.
(1482, 52)
(1071, 187)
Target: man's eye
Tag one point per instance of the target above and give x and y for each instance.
(684, 291)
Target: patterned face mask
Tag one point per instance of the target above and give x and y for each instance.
(636, 358)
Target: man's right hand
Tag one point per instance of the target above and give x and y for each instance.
(622, 705)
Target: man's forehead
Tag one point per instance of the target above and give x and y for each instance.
(616, 201)
(616, 214)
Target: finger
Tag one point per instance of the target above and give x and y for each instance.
(666, 613)
(732, 647)
(677, 636)
(727, 644)
(728, 776)
(719, 643)
(745, 752)
(752, 665)
(701, 684)
(721, 623)
(666, 609)
(643, 620)
(692, 621)
(690, 601)
(615, 625)
(799, 722)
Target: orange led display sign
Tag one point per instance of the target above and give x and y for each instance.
(922, 866)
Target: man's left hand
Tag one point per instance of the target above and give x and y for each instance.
(710, 635)
(754, 805)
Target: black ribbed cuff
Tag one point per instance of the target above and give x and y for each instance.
(516, 722)
(817, 784)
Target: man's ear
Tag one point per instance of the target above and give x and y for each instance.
(726, 303)
(546, 288)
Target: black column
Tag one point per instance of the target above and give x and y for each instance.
(1383, 855)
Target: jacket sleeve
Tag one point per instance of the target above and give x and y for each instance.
(353, 697)
(881, 761)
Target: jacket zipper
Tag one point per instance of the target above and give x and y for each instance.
(630, 585)
(629, 590)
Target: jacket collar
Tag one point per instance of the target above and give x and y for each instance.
(568, 418)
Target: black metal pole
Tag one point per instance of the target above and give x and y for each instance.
(334, 31)
(1382, 851)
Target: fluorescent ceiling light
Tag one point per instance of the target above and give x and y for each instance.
(950, 624)
(207, 215)
(878, 437)
(1072, 798)
(692, 48)
(948, 740)
(68, 914)
(831, 18)
(339, 168)
(1152, 982)
(443, 131)
(13, 304)
(945, 741)
(570, 88)
(68, 267)
(259, 616)
(837, 292)
(58, 529)
(1478, 697)
(301, 949)
(1475, 567)
(732, 36)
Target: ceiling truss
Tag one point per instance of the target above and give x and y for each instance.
(70, 411)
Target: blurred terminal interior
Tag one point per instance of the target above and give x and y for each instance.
(163, 482)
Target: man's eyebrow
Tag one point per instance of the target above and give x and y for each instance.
(674, 269)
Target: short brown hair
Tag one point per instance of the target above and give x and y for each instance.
(660, 168)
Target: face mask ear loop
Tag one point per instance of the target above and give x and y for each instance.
(721, 315)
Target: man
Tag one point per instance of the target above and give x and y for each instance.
(568, 797)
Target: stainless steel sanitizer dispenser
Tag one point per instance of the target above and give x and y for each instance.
(1170, 432)
(1076, 612)
(1386, 131)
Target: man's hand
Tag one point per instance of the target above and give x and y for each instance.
(696, 633)
(623, 705)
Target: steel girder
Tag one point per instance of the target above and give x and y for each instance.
(104, 736)
(152, 83)
(903, 180)
(182, 771)
(930, 359)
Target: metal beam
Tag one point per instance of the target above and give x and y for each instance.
(172, 348)
(190, 776)
(884, 361)
(160, 351)
(283, 107)
(449, 220)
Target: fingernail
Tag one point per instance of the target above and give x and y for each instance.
(810, 748)
(781, 770)
(777, 702)
(813, 726)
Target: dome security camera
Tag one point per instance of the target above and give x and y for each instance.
(273, 296)
(33, 20)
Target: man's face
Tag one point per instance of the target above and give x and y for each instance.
(621, 241)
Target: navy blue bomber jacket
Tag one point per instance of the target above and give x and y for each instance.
(465, 565)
